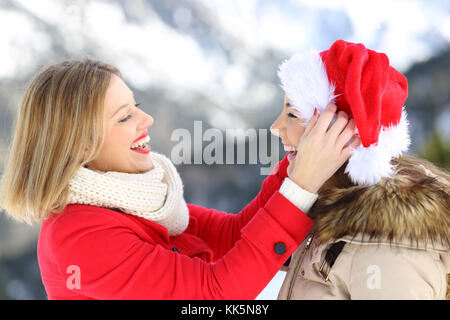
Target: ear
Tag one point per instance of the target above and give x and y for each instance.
(85, 156)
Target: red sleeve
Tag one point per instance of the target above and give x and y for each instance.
(221, 230)
(115, 263)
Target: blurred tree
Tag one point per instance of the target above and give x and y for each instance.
(428, 94)
(437, 151)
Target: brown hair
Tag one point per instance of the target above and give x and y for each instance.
(60, 127)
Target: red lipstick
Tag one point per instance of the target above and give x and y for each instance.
(141, 136)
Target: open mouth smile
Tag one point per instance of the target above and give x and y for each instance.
(141, 144)
(288, 147)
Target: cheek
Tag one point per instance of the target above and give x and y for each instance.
(294, 132)
(117, 139)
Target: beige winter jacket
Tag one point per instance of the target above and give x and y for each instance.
(396, 242)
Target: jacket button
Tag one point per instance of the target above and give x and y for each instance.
(303, 273)
(175, 249)
(279, 248)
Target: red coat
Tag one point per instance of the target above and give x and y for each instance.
(88, 252)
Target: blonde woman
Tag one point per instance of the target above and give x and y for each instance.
(114, 221)
(382, 221)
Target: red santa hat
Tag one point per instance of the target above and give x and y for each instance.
(360, 82)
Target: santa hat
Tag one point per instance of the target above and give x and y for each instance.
(363, 84)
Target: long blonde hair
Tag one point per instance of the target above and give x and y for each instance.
(59, 127)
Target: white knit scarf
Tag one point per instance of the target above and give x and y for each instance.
(156, 195)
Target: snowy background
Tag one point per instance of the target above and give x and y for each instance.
(215, 61)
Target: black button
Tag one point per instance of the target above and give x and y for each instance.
(280, 248)
(175, 249)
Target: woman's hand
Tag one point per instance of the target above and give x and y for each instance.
(322, 149)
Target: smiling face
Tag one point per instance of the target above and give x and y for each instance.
(288, 126)
(126, 127)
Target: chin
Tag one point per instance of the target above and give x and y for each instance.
(147, 167)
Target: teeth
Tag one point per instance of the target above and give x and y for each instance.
(141, 143)
(289, 148)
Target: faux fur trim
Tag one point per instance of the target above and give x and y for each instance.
(305, 82)
(407, 207)
(367, 166)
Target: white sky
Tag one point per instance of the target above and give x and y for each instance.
(290, 24)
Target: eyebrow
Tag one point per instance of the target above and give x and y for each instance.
(120, 108)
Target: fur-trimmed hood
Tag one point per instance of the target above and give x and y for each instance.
(412, 207)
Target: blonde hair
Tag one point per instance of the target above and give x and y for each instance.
(59, 128)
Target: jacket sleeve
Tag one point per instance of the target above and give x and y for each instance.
(114, 263)
(393, 273)
(221, 230)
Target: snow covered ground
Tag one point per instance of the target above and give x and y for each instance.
(270, 292)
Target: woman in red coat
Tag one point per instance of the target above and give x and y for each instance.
(114, 221)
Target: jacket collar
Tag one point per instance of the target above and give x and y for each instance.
(405, 209)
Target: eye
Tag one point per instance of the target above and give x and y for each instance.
(129, 116)
(291, 115)
(125, 119)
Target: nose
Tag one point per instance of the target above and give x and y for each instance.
(147, 121)
(276, 127)
(274, 131)
(150, 120)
